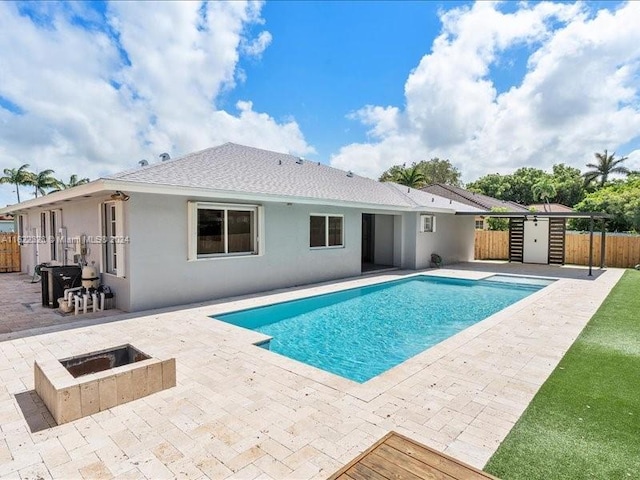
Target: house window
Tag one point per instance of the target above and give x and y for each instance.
(54, 224)
(20, 221)
(427, 223)
(480, 224)
(224, 230)
(109, 232)
(326, 231)
(43, 225)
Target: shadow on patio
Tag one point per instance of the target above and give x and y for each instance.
(575, 272)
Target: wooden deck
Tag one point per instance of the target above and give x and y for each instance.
(400, 458)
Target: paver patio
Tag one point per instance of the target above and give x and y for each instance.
(21, 308)
(243, 412)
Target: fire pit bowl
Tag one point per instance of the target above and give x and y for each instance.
(82, 385)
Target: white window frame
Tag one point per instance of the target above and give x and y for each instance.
(192, 220)
(117, 252)
(427, 223)
(326, 230)
(481, 223)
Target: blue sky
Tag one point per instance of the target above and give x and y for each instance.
(91, 88)
(330, 58)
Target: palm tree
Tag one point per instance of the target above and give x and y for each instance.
(42, 180)
(544, 190)
(74, 181)
(605, 166)
(17, 177)
(411, 177)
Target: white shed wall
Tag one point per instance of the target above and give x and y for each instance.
(453, 240)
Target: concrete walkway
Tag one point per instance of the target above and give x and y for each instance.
(239, 411)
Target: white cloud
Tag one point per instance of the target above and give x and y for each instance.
(258, 45)
(95, 102)
(579, 94)
(633, 160)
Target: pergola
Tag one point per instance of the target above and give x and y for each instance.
(592, 216)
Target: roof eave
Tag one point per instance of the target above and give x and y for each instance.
(90, 188)
(538, 214)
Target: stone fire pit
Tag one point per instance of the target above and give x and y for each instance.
(82, 385)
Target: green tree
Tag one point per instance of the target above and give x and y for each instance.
(544, 190)
(432, 171)
(392, 174)
(74, 181)
(42, 180)
(621, 200)
(523, 181)
(16, 176)
(606, 164)
(516, 187)
(440, 171)
(411, 177)
(569, 184)
(498, 223)
(493, 184)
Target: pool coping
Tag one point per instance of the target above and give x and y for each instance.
(379, 384)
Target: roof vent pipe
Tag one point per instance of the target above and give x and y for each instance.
(349, 173)
(143, 163)
(164, 157)
(300, 161)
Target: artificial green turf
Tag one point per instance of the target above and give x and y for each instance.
(584, 423)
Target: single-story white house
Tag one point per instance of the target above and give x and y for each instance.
(233, 220)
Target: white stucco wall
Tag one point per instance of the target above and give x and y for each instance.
(383, 240)
(408, 226)
(453, 239)
(161, 274)
(158, 272)
(79, 217)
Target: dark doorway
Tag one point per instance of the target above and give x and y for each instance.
(368, 224)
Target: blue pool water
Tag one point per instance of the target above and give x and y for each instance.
(362, 332)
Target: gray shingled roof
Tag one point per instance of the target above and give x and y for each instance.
(473, 199)
(237, 168)
(552, 207)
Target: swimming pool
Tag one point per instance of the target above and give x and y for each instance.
(362, 332)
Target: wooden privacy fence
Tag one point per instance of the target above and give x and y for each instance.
(9, 252)
(492, 245)
(621, 250)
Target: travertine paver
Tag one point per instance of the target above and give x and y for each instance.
(21, 308)
(239, 411)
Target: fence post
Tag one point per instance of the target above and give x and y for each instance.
(590, 246)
